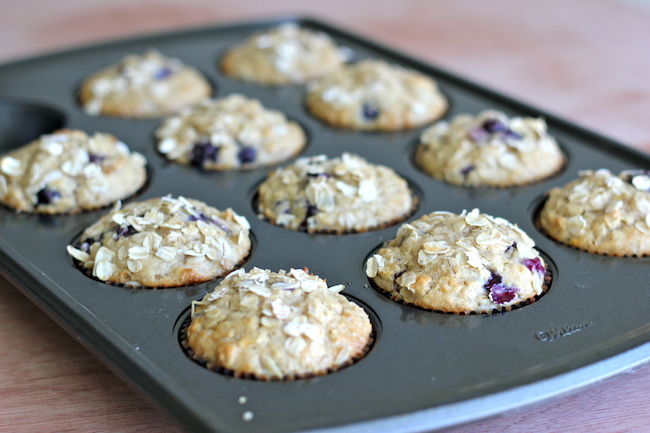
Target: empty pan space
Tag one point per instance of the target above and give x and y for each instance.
(21, 123)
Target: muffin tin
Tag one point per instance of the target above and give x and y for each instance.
(426, 370)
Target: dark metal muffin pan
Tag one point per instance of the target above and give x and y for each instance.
(426, 370)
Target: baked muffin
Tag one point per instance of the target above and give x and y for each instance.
(601, 212)
(69, 171)
(375, 95)
(229, 133)
(143, 86)
(286, 54)
(338, 195)
(467, 263)
(489, 149)
(277, 325)
(163, 242)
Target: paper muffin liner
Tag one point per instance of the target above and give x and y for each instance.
(557, 172)
(88, 273)
(548, 279)
(538, 225)
(415, 202)
(246, 167)
(182, 339)
(140, 191)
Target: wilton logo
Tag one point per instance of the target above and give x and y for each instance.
(556, 333)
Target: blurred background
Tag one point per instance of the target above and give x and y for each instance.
(575, 58)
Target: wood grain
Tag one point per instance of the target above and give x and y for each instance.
(584, 60)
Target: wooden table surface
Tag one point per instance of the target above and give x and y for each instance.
(585, 60)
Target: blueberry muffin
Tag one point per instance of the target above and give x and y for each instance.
(601, 212)
(337, 195)
(489, 149)
(229, 133)
(375, 95)
(286, 54)
(277, 325)
(163, 242)
(467, 263)
(69, 171)
(143, 86)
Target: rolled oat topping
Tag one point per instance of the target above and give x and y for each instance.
(375, 95)
(464, 263)
(490, 149)
(69, 171)
(601, 212)
(277, 325)
(286, 54)
(163, 242)
(234, 132)
(145, 85)
(344, 194)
